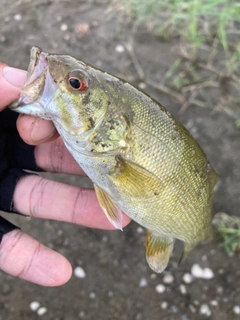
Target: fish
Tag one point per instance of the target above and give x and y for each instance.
(142, 160)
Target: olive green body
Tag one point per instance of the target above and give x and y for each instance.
(178, 201)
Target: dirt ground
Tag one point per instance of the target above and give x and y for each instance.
(118, 282)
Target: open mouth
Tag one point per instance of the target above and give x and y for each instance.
(35, 80)
(37, 66)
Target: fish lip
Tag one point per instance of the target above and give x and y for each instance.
(35, 80)
(38, 64)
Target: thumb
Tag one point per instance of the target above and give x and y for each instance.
(11, 80)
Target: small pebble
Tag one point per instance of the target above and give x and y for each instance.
(164, 305)
(214, 303)
(205, 310)
(119, 48)
(153, 276)
(201, 273)
(34, 305)
(219, 289)
(110, 294)
(187, 278)
(2, 38)
(168, 278)
(196, 302)
(82, 314)
(81, 29)
(41, 311)
(18, 17)
(183, 289)
(192, 308)
(142, 85)
(63, 27)
(92, 295)
(160, 288)
(140, 230)
(79, 272)
(236, 309)
(143, 283)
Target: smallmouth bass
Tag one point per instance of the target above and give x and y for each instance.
(141, 160)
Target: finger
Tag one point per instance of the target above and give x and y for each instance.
(54, 157)
(42, 198)
(34, 130)
(11, 80)
(26, 258)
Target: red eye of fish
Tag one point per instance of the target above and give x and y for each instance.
(77, 84)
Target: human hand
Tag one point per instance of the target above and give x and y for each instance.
(20, 254)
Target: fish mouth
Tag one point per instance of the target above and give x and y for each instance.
(37, 66)
(35, 80)
(34, 95)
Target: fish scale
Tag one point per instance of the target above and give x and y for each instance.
(141, 160)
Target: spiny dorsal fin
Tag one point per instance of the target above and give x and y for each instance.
(158, 251)
(111, 210)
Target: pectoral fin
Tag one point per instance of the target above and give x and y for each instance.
(158, 251)
(113, 213)
(136, 180)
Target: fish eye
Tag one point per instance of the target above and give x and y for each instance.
(77, 83)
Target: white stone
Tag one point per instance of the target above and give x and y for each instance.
(140, 230)
(164, 305)
(63, 27)
(205, 310)
(143, 283)
(41, 311)
(92, 295)
(160, 288)
(236, 309)
(168, 278)
(34, 305)
(183, 289)
(142, 85)
(187, 278)
(119, 48)
(192, 308)
(18, 17)
(79, 273)
(82, 314)
(202, 273)
(214, 303)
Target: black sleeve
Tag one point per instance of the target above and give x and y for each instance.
(15, 157)
(5, 227)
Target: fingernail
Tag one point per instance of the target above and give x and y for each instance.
(14, 76)
(42, 130)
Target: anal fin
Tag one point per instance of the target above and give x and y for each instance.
(111, 210)
(158, 251)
